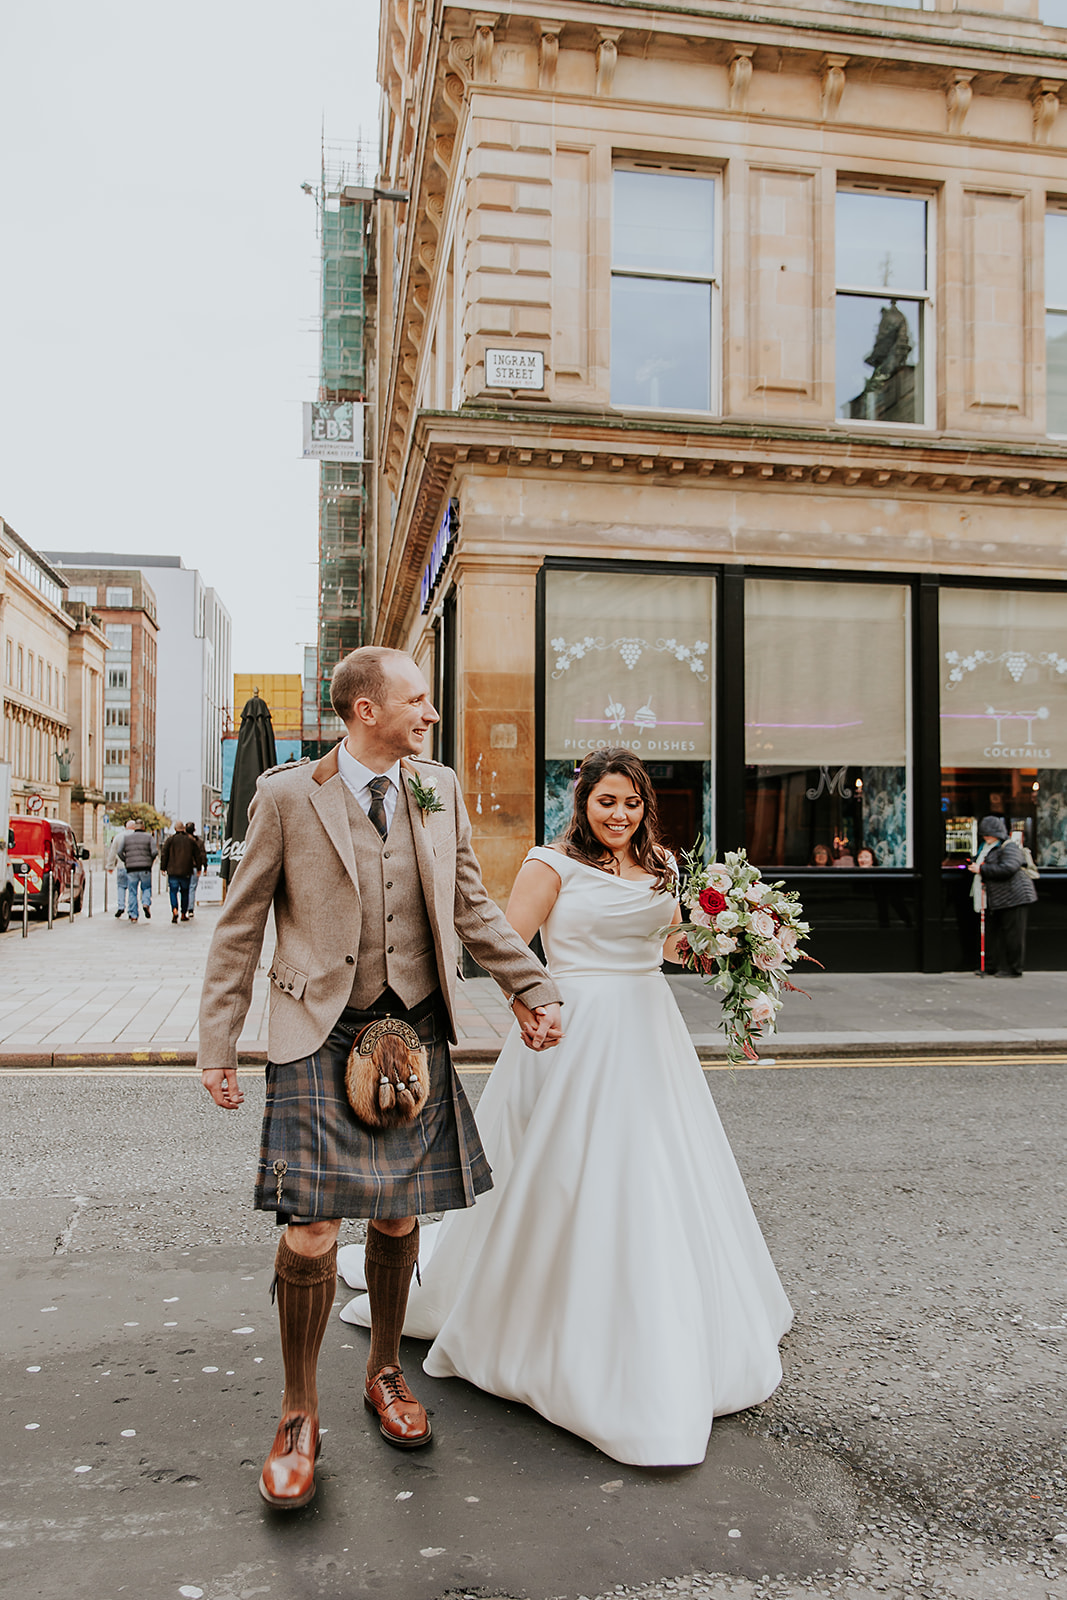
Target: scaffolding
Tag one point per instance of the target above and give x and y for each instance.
(344, 240)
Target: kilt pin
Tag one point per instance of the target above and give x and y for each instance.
(368, 922)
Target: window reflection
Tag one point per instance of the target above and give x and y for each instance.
(891, 388)
(1056, 320)
(663, 281)
(660, 342)
(880, 245)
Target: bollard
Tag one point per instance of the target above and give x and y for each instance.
(89, 875)
(51, 898)
(106, 877)
(25, 906)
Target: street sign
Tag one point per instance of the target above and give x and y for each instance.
(35, 803)
(216, 808)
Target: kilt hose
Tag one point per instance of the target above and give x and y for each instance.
(318, 1163)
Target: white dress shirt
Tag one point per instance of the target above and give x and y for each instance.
(356, 779)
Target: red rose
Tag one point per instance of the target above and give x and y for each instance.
(712, 901)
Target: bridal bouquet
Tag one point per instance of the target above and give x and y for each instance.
(743, 936)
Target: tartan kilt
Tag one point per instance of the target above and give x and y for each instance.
(336, 1167)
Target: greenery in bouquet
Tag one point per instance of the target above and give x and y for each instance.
(743, 936)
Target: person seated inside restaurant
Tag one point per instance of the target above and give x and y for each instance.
(820, 856)
(865, 857)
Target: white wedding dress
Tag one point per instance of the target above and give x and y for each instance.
(614, 1278)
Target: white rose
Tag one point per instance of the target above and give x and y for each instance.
(726, 920)
(760, 1009)
(725, 944)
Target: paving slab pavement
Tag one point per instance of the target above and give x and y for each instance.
(106, 990)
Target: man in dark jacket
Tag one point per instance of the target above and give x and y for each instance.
(1009, 892)
(179, 862)
(201, 863)
(137, 852)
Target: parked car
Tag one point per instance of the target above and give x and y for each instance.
(45, 853)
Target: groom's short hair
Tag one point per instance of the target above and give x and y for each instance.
(362, 675)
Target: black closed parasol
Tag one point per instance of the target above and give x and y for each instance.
(254, 754)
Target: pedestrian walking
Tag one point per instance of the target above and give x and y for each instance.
(137, 852)
(178, 860)
(114, 863)
(201, 863)
(367, 860)
(1001, 868)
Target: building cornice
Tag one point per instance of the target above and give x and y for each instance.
(718, 455)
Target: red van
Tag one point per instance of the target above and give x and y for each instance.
(45, 853)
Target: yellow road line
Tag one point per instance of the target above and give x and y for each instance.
(772, 1064)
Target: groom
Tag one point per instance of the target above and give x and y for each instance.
(367, 861)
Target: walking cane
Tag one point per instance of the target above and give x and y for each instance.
(981, 934)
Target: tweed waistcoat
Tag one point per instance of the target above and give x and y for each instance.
(397, 953)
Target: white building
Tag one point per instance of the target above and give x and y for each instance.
(194, 679)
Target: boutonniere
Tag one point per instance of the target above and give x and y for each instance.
(424, 792)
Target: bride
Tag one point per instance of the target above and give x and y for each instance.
(615, 1278)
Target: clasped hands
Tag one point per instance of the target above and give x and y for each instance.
(541, 1027)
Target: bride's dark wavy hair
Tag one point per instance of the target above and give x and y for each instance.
(579, 841)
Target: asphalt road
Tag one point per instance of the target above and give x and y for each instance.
(915, 1446)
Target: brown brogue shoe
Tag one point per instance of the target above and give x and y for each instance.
(401, 1419)
(288, 1477)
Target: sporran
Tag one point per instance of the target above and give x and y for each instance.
(387, 1077)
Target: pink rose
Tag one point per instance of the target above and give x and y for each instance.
(700, 917)
(768, 956)
(760, 1010)
(755, 892)
(788, 940)
(721, 881)
(725, 945)
(763, 924)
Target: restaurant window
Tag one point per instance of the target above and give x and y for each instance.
(1056, 321)
(664, 287)
(882, 321)
(827, 724)
(1004, 719)
(628, 661)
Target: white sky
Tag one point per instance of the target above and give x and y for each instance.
(159, 284)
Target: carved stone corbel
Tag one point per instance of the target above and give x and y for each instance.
(461, 58)
(1046, 104)
(483, 46)
(549, 54)
(607, 55)
(833, 86)
(454, 91)
(443, 150)
(958, 97)
(435, 210)
(740, 75)
(427, 256)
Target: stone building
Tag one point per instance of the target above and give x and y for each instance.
(53, 693)
(187, 675)
(126, 604)
(722, 401)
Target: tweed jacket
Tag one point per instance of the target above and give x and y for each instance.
(1006, 882)
(299, 857)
